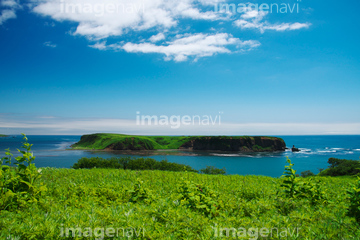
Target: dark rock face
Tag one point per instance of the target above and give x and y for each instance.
(243, 144)
(294, 149)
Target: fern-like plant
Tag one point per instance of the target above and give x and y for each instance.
(289, 183)
(295, 187)
(18, 184)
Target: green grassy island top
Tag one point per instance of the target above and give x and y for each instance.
(2, 135)
(107, 141)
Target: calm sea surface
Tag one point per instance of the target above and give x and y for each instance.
(51, 151)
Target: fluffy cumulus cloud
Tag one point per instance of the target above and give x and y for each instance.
(101, 19)
(254, 19)
(157, 37)
(8, 10)
(186, 46)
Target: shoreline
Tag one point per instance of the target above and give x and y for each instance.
(173, 152)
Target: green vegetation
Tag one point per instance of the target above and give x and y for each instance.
(18, 184)
(297, 188)
(131, 164)
(2, 135)
(165, 204)
(141, 164)
(76, 203)
(354, 194)
(213, 170)
(341, 167)
(101, 141)
(307, 173)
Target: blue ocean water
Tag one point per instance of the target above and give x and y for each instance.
(52, 151)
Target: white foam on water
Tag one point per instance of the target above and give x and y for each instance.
(63, 145)
(225, 155)
(305, 149)
(326, 151)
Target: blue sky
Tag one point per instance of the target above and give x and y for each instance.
(275, 73)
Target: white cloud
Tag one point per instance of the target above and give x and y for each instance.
(99, 45)
(157, 37)
(195, 46)
(6, 15)
(101, 19)
(8, 10)
(50, 44)
(254, 20)
(9, 3)
(287, 26)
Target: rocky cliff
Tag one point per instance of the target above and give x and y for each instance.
(243, 144)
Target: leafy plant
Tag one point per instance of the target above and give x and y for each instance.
(18, 184)
(289, 183)
(198, 198)
(141, 193)
(354, 195)
(294, 187)
(312, 191)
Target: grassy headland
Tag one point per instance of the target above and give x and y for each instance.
(101, 141)
(2, 135)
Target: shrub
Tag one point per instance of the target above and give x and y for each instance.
(97, 162)
(140, 193)
(213, 170)
(198, 198)
(307, 173)
(132, 164)
(341, 167)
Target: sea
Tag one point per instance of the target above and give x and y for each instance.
(54, 151)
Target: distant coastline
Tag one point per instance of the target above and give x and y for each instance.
(121, 142)
(2, 135)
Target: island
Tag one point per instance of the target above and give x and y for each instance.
(2, 135)
(108, 141)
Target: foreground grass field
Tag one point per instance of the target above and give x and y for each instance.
(153, 205)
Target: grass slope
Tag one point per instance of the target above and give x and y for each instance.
(100, 141)
(101, 198)
(2, 135)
